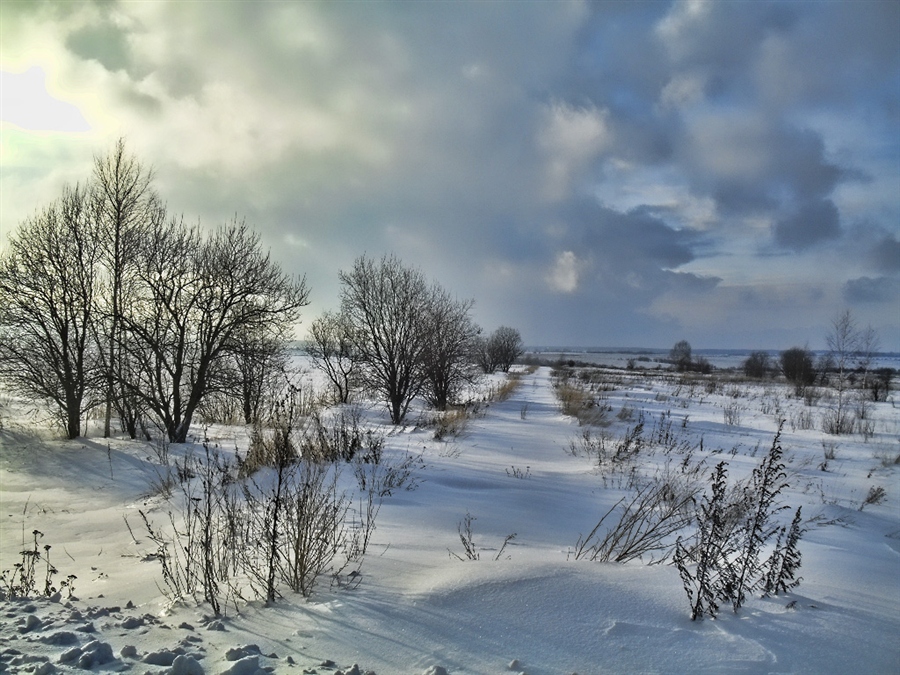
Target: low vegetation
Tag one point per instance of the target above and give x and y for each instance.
(738, 538)
(279, 516)
(34, 575)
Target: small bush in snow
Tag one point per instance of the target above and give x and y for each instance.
(518, 472)
(465, 537)
(575, 400)
(277, 518)
(724, 563)
(887, 459)
(782, 565)
(757, 365)
(838, 421)
(505, 390)
(470, 551)
(803, 420)
(876, 495)
(23, 580)
(732, 413)
(705, 584)
(606, 449)
(452, 422)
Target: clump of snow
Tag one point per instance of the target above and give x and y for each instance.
(435, 670)
(185, 665)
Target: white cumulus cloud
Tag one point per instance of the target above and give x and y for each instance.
(563, 276)
(570, 139)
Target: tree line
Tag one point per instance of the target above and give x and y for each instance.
(396, 336)
(109, 303)
(847, 362)
(846, 367)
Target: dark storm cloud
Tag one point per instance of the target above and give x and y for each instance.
(873, 290)
(886, 254)
(631, 257)
(105, 43)
(691, 283)
(713, 88)
(810, 225)
(638, 239)
(824, 49)
(759, 166)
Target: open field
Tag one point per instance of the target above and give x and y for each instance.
(443, 583)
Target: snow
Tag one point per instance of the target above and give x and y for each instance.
(419, 608)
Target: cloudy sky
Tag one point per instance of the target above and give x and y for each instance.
(616, 173)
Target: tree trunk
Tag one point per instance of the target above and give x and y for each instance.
(179, 432)
(73, 419)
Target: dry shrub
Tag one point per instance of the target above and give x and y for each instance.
(803, 420)
(876, 495)
(340, 439)
(451, 423)
(279, 518)
(837, 421)
(887, 459)
(647, 521)
(732, 413)
(582, 405)
(270, 445)
(606, 449)
(505, 390)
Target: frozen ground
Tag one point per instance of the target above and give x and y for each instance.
(419, 608)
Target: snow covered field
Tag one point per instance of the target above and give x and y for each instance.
(516, 469)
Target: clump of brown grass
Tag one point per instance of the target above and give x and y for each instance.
(505, 390)
(581, 404)
(451, 423)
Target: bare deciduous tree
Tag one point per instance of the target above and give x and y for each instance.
(798, 368)
(332, 350)
(123, 204)
(849, 348)
(499, 350)
(385, 303)
(101, 289)
(195, 296)
(506, 345)
(482, 355)
(680, 355)
(48, 283)
(259, 359)
(446, 360)
(756, 365)
(869, 344)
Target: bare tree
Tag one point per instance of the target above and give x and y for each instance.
(331, 347)
(124, 204)
(680, 355)
(194, 298)
(48, 284)
(482, 355)
(499, 350)
(756, 365)
(386, 303)
(446, 359)
(849, 348)
(505, 345)
(798, 368)
(259, 360)
(869, 344)
(843, 343)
